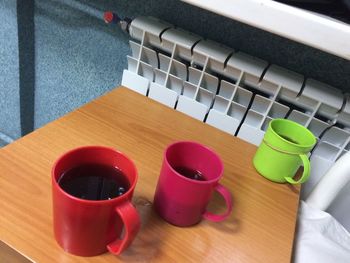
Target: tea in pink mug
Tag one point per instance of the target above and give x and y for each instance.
(190, 173)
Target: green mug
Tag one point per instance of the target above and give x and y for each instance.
(285, 147)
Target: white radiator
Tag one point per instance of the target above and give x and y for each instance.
(233, 91)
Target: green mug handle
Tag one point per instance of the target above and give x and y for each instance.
(306, 173)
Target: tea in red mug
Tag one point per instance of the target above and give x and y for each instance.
(92, 188)
(94, 182)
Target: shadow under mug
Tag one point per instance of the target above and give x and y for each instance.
(284, 149)
(182, 201)
(90, 227)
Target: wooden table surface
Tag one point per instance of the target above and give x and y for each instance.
(260, 229)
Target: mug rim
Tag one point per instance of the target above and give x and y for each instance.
(86, 201)
(296, 124)
(202, 146)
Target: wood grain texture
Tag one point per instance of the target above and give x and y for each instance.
(260, 229)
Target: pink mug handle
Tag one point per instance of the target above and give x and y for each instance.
(228, 200)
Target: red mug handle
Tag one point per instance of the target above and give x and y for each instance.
(225, 193)
(132, 224)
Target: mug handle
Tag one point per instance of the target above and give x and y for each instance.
(225, 193)
(132, 224)
(306, 173)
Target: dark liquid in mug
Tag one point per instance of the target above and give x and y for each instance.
(94, 182)
(190, 173)
(288, 139)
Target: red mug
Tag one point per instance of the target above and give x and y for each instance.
(91, 227)
(182, 200)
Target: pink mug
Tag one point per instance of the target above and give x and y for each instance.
(189, 175)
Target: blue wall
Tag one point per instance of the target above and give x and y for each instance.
(78, 57)
(9, 81)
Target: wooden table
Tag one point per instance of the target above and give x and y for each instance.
(260, 229)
